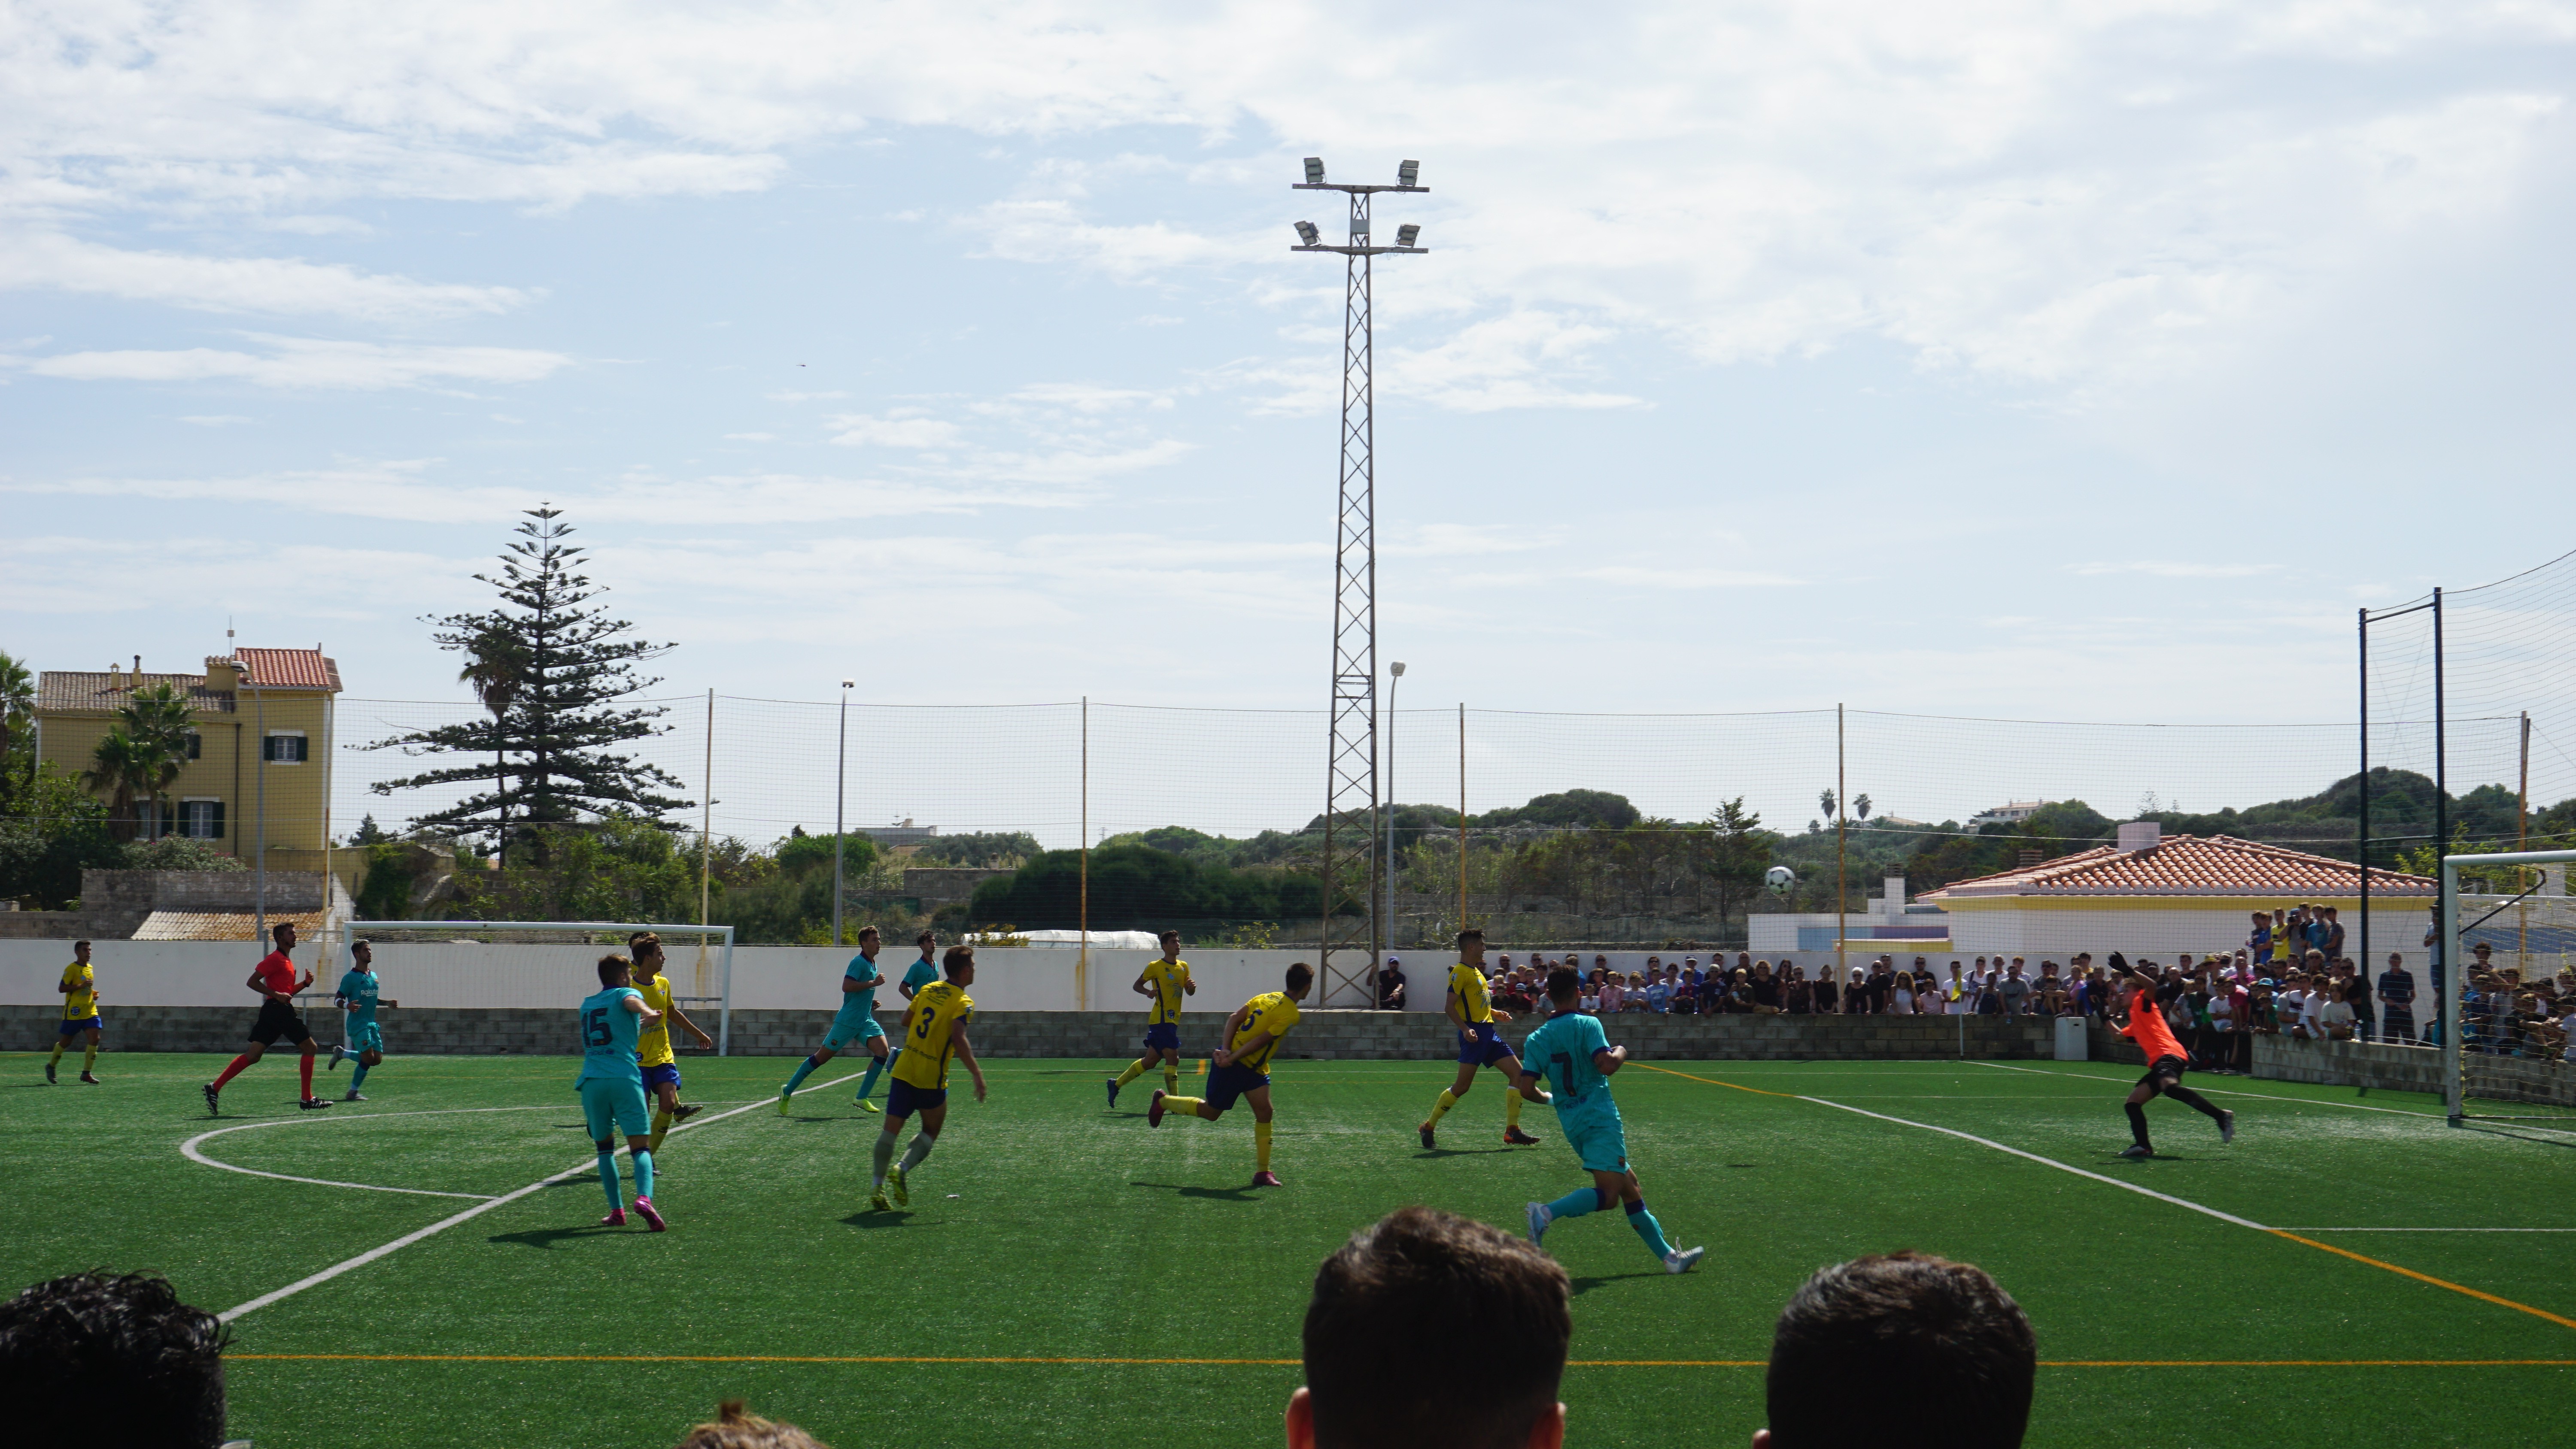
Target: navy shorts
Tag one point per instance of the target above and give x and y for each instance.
(1225, 1084)
(666, 1072)
(1163, 1036)
(1482, 1046)
(80, 1023)
(906, 1099)
(278, 1021)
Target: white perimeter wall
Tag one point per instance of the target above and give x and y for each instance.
(2162, 932)
(212, 973)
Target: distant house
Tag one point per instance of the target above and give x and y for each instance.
(2010, 813)
(259, 706)
(2157, 895)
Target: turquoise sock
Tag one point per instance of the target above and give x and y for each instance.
(358, 1078)
(608, 1179)
(804, 1069)
(1648, 1229)
(868, 1083)
(1575, 1204)
(644, 1177)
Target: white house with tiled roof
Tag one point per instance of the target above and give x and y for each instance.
(2156, 895)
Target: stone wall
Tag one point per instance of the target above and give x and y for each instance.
(1323, 1035)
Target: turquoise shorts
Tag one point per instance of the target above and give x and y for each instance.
(852, 1026)
(1596, 1134)
(610, 1105)
(366, 1037)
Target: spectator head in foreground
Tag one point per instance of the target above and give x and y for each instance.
(736, 1427)
(1418, 1277)
(1947, 1355)
(95, 1359)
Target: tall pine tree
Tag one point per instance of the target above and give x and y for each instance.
(546, 750)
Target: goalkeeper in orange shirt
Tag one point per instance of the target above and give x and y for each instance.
(2165, 1058)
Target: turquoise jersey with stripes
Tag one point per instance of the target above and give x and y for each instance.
(921, 973)
(608, 1032)
(1561, 1051)
(862, 1002)
(358, 990)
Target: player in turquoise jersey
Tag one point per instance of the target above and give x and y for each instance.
(856, 1021)
(1575, 1056)
(611, 1085)
(361, 1037)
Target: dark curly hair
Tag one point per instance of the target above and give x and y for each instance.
(95, 1358)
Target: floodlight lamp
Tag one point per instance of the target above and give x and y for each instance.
(1314, 170)
(1306, 233)
(849, 684)
(1408, 173)
(1397, 669)
(1405, 234)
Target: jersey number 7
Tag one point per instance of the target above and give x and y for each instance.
(1564, 1072)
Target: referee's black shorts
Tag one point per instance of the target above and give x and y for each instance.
(2163, 1072)
(278, 1022)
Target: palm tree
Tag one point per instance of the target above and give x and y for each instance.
(17, 712)
(496, 666)
(116, 771)
(156, 721)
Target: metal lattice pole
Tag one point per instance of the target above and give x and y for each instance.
(1350, 752)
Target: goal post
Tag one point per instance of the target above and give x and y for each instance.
(2482, 1016)
(537, 964)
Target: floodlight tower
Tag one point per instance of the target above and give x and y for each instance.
(1350, 757)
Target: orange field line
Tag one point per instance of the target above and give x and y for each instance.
(1714, 1082)
(1734, 1363)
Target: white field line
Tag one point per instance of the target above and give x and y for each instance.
(2219, 1091)
(2044, 1162)
(443, 1224)
(188, 1149)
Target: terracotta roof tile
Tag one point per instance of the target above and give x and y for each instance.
(220, 925)
(78, 689)
(2190, 865)
(291, 668)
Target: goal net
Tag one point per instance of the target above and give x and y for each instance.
(540, 963)
(2512, 996)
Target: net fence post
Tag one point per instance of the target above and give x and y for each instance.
(2448, 903)
(724, 1011)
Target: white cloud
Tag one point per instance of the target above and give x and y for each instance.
(2175, 569)
(238, 284)
(306, 362)
(859, 430)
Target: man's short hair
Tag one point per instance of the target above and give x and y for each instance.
(280, 926)
(1948, 1357)
(1472, 933)
(958, 955)
(362, 941)
(76, 945)
(1495, 1306)
(636, 943)
(926, 938)
(1564, 984)
(1300, 975)
(95, 1359)
(864, 933)
(1168, 936)
(610, 965)
(736, 1427)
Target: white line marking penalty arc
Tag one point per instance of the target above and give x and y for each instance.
(480, 1208)
(188, 1149)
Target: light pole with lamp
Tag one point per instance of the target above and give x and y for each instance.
(1394, 672)
(840, 805)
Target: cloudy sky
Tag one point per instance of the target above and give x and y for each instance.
(2078, 361)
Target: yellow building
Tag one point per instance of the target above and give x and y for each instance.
(262, 726)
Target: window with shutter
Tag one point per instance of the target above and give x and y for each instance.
(196, 745)
(284, 749)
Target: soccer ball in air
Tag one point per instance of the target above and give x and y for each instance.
(1781, 879)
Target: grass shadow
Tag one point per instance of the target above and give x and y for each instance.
(1215, 1194)
(1581, 1286)
(2553, 1140)
(873, 1220)
(548, 1237)
(1436, 1153)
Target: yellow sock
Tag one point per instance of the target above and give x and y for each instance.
(1440, 1109)
(1261, 1146)
(89, 1059)
(1134, 1070)
(1186, 1106)
(661, 1124)
(1511, 1109)
(1203, 1065)
(59, 1044)
(1171, 1077)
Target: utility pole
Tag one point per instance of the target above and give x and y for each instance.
(840, 806)
(1842, 816)
(1350, 752)
(1394, 673)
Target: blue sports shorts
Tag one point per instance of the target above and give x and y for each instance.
(850, 1027)
(611, 1105)
(79, 1023)
(1163, 1036)
(907, 1099)
(1596, 1134)
(1225, 1084)
(666, 1072)
(1482, 1046)
(366, 1036)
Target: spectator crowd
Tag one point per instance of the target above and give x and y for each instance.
(2290, 977)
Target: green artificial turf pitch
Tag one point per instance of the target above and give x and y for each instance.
(1050, 1230)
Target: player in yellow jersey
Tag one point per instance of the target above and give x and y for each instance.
(1167, 981)
(1479, 1044)
(80, 1013)
(1243, 1067)
(934, 1028)
(653, 1043)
